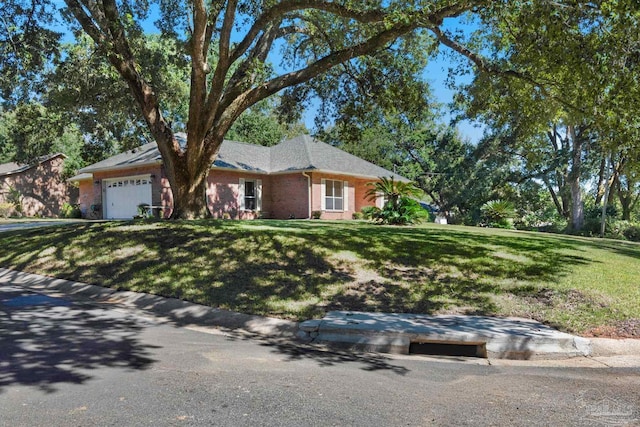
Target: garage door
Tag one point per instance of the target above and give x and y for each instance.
(123, 195)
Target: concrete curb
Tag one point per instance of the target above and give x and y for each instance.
(606, 347)
(496, 338)
(180, 312)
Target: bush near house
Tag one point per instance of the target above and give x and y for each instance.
(14, 197)
(400, 208)
(6, 209)
(406, 211)
(70, 211)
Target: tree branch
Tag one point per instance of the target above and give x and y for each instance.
(281, 8)
(109, 35)
(489, 67)
(87, 23)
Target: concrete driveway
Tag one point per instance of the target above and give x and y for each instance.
(22, 225)
(72, 362)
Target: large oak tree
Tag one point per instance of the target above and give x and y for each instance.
(229, 43)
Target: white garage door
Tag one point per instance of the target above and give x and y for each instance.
(123, 195)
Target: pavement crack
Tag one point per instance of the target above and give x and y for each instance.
(599, 361)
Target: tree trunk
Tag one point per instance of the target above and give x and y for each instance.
(554, 197)
(187, 171)
(627, 198)
(605, 198)
(601, 181)
(625, 203)
(190, 198)
(577, 212)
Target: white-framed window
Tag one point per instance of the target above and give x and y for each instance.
(250, 194)
(335, 195)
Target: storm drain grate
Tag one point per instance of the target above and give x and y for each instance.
(449, 349)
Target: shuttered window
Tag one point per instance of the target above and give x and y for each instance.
(334, 196)
(250, 194)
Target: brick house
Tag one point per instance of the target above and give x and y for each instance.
(41, 186)
(289, 180)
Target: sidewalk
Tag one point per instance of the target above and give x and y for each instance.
(487, 337)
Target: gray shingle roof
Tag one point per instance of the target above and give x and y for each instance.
(80, 177)
(147, 154)
(302, 153)
(243, 156)
(307, 153)
(13, 168)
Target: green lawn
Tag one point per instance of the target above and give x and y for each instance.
(301, 269)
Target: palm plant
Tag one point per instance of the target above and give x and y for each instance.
(400, 206)
(498, 213)
(392, 190)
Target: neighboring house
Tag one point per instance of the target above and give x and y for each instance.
(40, 184)
(289, 180)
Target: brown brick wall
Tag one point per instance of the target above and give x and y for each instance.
(283, 196)
(222, 194)
(42, 188)
(289, 196)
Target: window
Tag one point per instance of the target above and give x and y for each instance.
(334, 197)
(250, 195)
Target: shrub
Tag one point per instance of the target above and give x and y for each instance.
(316, 214)
(70, 211)
(6, 209)
(369, 212)
(613, 229)
(357, 215)
(143, 210)
(632, 232)
(406, 211)
(15, 199)
(498, 213)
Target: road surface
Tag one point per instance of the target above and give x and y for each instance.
(75, 363)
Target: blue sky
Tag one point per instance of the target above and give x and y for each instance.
(436, 74)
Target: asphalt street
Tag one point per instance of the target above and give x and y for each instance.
(67, 362)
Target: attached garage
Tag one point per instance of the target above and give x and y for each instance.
(124, 195)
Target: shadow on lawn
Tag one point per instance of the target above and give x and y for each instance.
(296, 269)
(46, 341)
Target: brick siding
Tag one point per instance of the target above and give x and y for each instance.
(283, 196)
(42, 188)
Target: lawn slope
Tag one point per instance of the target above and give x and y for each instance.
(301, 269)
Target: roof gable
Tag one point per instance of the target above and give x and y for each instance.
(13, 168)
(307, 153)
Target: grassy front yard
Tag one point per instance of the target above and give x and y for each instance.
(301, 269)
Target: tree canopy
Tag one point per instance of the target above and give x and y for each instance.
(353, 55)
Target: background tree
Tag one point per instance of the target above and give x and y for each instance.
(27, 46)
(86, 90)
(31, 131)
(262, 125)
(566, 81)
